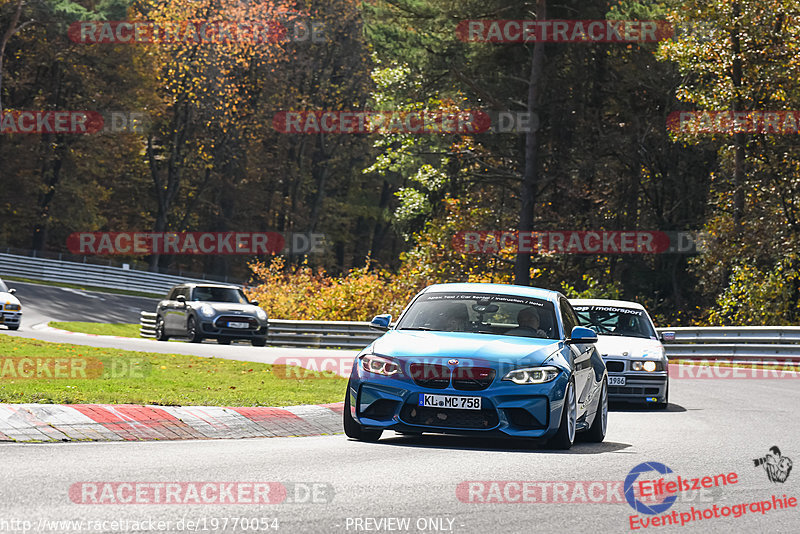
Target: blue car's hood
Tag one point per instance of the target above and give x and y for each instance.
(487, 348)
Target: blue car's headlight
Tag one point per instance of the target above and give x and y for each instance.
(532, 375)
(261, 314)
(379, 365)
(206, 310)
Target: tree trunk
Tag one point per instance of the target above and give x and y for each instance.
(522, 265)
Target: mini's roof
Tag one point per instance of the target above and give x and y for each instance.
(209, 284)
(606, 302)
(503, 289)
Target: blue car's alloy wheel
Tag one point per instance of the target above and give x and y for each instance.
(565, 436)
(597, 432)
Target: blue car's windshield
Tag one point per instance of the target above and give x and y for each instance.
(482, 313)
(615, 321)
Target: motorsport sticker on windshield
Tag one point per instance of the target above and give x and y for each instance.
(611, 309)
(480, 297)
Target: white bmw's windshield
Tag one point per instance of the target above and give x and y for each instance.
(615, 321)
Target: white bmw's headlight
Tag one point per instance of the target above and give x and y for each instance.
(206, 310)
(649, 366)
(261, 314)
(532, 375)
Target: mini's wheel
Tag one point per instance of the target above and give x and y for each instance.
(160, 333)
(192, 332)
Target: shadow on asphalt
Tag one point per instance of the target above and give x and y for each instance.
(438, 441)
(643, 408)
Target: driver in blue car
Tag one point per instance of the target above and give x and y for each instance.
(528, 320)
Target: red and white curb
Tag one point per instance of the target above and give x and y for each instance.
(132, 422)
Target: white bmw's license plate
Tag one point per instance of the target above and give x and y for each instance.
(616, 380)
(449, 401)
(238, 325)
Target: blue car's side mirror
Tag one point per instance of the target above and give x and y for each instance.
(381, 322)
(581, 334)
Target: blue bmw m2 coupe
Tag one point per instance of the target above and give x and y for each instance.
(481, 360)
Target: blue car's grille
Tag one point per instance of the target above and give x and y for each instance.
(472, 378)
(430, 375)
(615, 367)
(435, 376)
(448, 418)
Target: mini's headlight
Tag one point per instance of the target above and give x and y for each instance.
(261, 314)
(207, 310)
(379, 365)
(532, 375)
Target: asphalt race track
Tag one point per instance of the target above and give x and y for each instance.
(714, 427)
(417, 484)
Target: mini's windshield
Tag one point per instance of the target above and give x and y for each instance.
(218, 294)
(482, 313)
(615, 321)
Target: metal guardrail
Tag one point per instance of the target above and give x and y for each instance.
(738, 343)
(88, 274)
(734, 343)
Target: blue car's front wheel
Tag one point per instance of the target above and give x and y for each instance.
(351, 427)
(565, 436)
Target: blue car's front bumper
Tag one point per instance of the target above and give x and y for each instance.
(507, 409)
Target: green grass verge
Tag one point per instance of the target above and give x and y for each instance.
(104, 329)
(111, 376)
(85, 288)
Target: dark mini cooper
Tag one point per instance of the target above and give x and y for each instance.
(217, 311)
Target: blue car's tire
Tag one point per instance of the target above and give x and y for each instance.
(351, 427)
(565, 436)
(597, 432)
